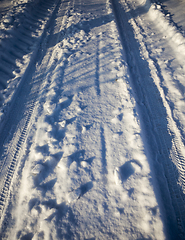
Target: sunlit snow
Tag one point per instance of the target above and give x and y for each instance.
(92, 113)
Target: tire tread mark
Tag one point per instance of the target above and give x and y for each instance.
(14, 152)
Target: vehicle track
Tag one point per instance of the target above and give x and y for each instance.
(18, 119)
(20, 37)
(160, 136)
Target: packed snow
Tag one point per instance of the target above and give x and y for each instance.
(92, 128)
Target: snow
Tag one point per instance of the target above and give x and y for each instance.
(92, 120)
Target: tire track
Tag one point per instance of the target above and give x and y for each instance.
(22, 38)
(14, 155)
(161, 136)
(174, 159)
(20, 115)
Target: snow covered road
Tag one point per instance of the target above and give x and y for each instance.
(92, 120)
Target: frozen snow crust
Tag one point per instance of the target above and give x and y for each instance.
(92, 127)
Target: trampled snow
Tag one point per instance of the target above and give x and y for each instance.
(92, 120)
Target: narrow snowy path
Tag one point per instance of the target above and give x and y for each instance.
(92, 121)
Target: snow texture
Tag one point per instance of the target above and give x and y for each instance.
(92, 128)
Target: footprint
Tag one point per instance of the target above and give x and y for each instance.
(33, 202)
(44, 149)
(48, 186)
(86, 187)
(58, 132)
(79, 192)
(48, 204)
(77, 157)
(120, 116)
(37, 169)
(122, 173)
(87, 162)
(49, 108)
(27, 236)
(66, 102)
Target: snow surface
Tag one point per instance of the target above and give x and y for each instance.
(92, 119)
